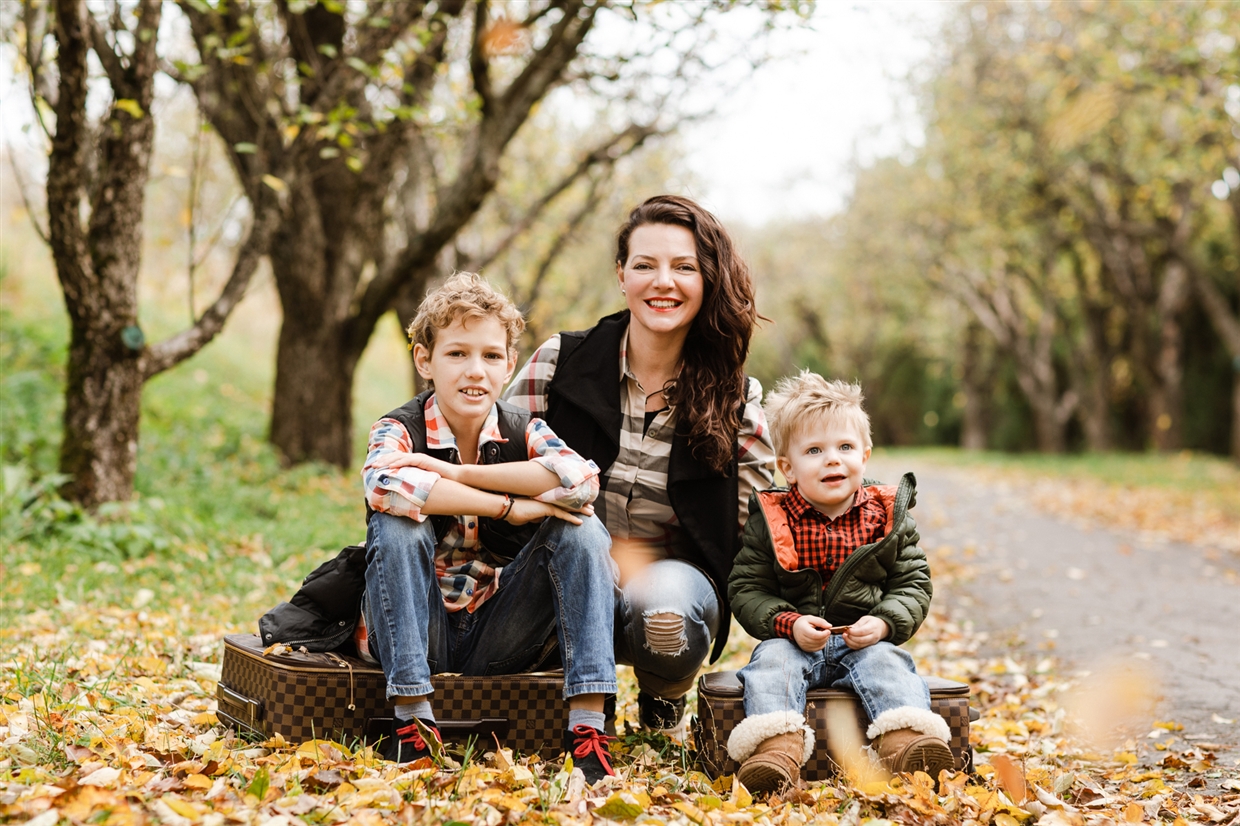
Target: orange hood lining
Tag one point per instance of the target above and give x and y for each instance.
(781, 533)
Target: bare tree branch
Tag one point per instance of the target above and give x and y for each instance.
(176, 349)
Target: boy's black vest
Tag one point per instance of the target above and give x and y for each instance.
(583, 408)
(497, 538)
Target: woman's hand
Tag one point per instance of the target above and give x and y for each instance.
(530, 510)
(392, 461)
(865, 632)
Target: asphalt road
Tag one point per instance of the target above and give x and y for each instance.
(1092, 597)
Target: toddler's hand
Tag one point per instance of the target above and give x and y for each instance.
(811, 633)
(865, 631)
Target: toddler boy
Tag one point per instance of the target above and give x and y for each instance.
(481, 539)
(831, 579)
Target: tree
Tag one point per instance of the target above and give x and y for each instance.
(1076, 144)
(387, 123)
(96, 178)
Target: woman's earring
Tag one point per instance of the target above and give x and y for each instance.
(622, 292)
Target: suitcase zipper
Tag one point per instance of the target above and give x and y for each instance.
(343, 663)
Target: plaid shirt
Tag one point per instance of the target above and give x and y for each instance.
(634, 504)
(465, 578)
(824, 543)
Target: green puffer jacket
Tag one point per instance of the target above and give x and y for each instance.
(889, 579)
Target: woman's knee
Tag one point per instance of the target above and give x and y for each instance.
(676, 608)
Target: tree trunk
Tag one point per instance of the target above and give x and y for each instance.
(103, 400)
(312, 413)
(97, 264)
(1048, 424)
(1166, 418)
(974, 384)
(1235, 409)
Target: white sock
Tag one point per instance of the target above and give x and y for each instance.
(421, 709)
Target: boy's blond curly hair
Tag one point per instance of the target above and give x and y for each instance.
(465, 295)
(800, 402)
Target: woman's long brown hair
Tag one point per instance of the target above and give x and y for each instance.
(710, 388)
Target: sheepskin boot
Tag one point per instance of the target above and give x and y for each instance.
(771, 749)
(912, 739)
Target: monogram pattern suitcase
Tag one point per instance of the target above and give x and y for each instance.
(330, 696)
(721, 707)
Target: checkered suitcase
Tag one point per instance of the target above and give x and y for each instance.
(721, 707)
(303, 695)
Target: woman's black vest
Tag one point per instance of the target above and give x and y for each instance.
(583, 408)
(497, 538)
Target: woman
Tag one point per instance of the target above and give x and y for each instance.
(657, 396)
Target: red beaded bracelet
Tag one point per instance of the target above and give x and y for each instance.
(507, 509)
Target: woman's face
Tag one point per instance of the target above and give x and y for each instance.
(661, 279)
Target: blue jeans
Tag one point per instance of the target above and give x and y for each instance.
(779, 674)
(667, 617)
(562, 581)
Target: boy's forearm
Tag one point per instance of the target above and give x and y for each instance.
(522, 478)
(449, 498)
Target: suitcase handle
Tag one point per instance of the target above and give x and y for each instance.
(248, 710)
(482, 728)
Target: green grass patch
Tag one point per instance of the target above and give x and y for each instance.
(216, 520)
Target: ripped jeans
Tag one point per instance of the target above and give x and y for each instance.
(667, 617)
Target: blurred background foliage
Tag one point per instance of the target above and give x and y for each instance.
(1054, 267)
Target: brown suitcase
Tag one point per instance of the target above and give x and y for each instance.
(721, 707)
(302, 696)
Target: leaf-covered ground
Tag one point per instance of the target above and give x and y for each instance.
(107, 717)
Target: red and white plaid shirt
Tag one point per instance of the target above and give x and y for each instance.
(823, 543)
(465, 577)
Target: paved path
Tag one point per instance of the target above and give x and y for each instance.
(1091, 596)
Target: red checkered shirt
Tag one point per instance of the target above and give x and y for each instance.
(823, 543)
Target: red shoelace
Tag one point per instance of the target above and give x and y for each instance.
(410, 734)
(592, 741)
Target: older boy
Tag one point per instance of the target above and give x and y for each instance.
(481, 539)
(831, 579)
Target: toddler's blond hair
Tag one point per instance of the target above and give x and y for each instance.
(465, 295)
(800, 402)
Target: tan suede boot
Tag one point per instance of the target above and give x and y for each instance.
(776, 763)
(908, 750)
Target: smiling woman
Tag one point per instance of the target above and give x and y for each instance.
(656, 395)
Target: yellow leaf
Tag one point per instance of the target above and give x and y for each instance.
(1004, 819)
(689, 810)
(709, 801)
(1134, 813)
(182, 807)
(1126, 757)
(518, 776)
(206, 718)
(131, 108)
(620, 806)
(275, 183)
(197, 781)
(740, 795)
(723, 783)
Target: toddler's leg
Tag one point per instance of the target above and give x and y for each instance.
(772, 743)
(905, 733)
